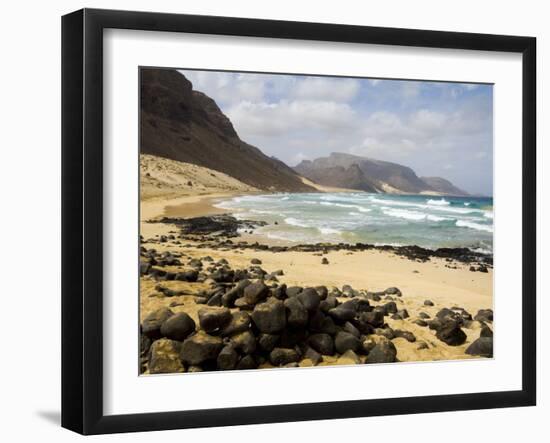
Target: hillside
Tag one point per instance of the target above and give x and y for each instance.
(443, 186)
(181, 124)
(351, 171)
(161, 177)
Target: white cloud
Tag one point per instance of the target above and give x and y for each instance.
(287, 116)
(331, 89)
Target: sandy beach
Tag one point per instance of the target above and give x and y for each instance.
(444, 283)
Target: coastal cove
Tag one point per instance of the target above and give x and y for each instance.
(427, 284)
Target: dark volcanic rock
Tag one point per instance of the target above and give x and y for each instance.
(482, 346)
(189, 276)
(270, 316)
(297, 316)
(322, 343)
(152, 323)
(451, 334)
(345, 341)
(383, 352)
(293, 291)
(200, 348)
(240, 322)
(178, 326)
(484, 315)
(341, 315)
(164, 358)
(393, 291)
(310, 299)
(283, 356)
(247, 362)
(211, 319)
(244, 342)
(375, 318)
(428, 303)
(255, 292)
(486, 331)
(390, 308)
(227, 358)
(267, 342)
(407, 335)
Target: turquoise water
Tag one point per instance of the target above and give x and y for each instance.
(380, 219)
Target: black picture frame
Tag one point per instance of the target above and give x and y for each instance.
(82, 218)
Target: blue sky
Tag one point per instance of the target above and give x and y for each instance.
(438, 129)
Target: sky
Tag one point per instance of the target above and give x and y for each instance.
(436, 128)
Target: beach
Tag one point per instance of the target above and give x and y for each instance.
(425, 287)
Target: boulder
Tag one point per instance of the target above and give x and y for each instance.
(428, 303)
(345, 341)
(240, 322)
(310, 299)
(393, 291)
(322, 343)
(178, 326)
(164, 358)
(199, 348)
(270, 316)
(227, 358)
(283, 356)
(255, 292)
(390, 308)
(228, 299)
(383, 352)
(152, 323)
(256, 261)
(244, 342)
(485, 315)
(375, 318)
(247, 362)
(297, 315)
(212, 319)
(341, 315)
(486, 331)
(267, 342)
(293, 291)
(483, 346)
(451, 334)
(407, 335)
(189, 276)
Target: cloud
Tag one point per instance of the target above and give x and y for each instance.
(275, 119)
(437, 128)
(320, 88)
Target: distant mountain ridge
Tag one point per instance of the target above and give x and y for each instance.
(179, 123)
(371, 175)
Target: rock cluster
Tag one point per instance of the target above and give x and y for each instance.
(249, 320)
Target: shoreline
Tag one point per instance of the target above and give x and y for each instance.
(427, 285)
(187, 207)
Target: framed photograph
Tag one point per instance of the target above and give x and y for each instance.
(269, 221)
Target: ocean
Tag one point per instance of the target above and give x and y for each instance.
(380, 219)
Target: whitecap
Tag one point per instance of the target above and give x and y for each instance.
(473, 225)
(295, 222)
(488, 214)
(403, 213)
(441, 202)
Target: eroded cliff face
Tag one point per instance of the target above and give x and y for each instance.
(181, 124)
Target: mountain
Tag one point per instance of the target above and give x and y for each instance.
(444, 186)
(181, 124)
(351, 177)
(352, 171)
